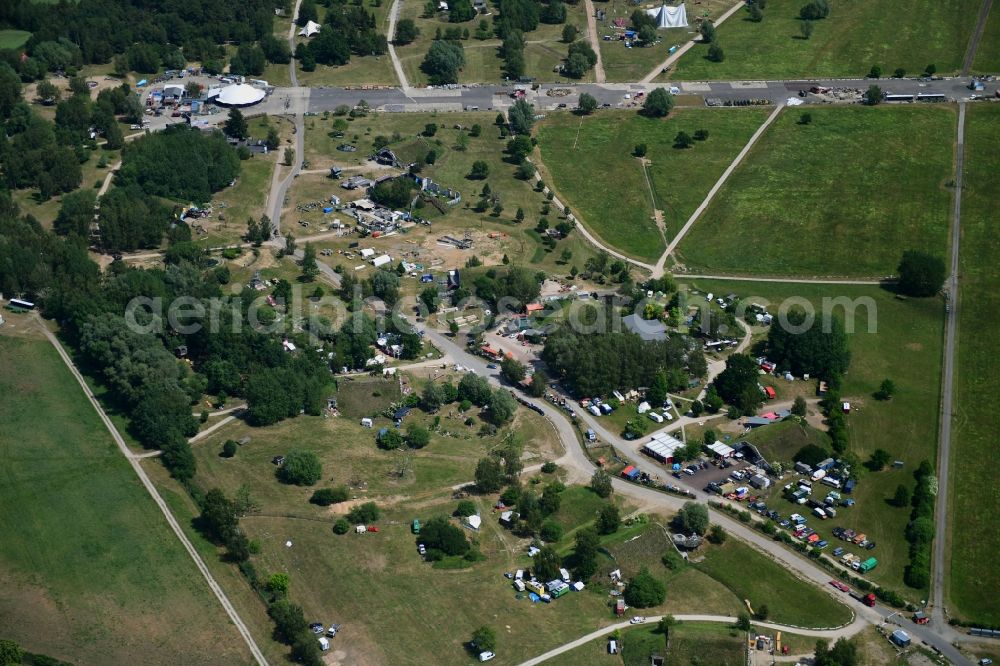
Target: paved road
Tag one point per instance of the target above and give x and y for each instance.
(940, 559)
(151, 489)
(831, 635)
(576, 459)
(497, 96)
(676, 240)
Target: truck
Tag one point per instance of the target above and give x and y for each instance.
(415, 527)
(866, 599)
(868, 565)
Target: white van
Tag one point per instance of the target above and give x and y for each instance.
(519, 585)
(519, 574)
(656, 417)
(324, 643)
(820, 513)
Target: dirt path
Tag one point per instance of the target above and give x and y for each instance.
(583, 229)
(151, 489)
(977, 35)
(396, 65)
(658, 270)
(595, 42)
(942, 537)
(688, 46)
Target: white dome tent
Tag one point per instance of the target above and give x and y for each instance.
(240, 94)
(669, 17)
(309, 29)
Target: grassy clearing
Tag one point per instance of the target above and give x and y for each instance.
(782, 440)
(91, 573)
(988, 53)
(46, 211)
(493, 235)
(804, 215)
(905, 347)
(847, 43)
(755, 577)
(976, 376)
(632, 64)
(543, 51)
(13, 39)
(571, 147)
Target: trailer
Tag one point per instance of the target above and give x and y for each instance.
(866, 599)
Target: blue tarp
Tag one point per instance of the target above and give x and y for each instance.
(328, 210)
(141, 83)
(534, 597)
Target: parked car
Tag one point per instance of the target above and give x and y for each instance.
(638, 619)
(840, 586)
(838, 551)
(491, 366)
(870, 545)
(317, 627)
(486, 655)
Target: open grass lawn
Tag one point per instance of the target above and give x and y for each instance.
(704, 643)
(906, 348)
(781, 441)
(350, 457)
(543, 51)
(988, 53)
(755, 577)
(13, 39)
(91, 573)
(844, 195)
(846, 44)
(589, 162)
(493, 236)
(974, 495)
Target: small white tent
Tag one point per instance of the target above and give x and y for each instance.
(309, 29)
(669, 17)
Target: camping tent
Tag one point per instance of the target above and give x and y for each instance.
(669, 17)
(309, 29)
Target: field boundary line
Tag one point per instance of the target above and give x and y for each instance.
(158, 499)
(658, 270)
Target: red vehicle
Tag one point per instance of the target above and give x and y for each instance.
(840, 586)
(921, 618)
(372, 528)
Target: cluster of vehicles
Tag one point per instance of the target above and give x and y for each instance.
(324, 641)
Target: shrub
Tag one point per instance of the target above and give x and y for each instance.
(644, 590)
(341, 526)
(364, 513)
(328, 496)
(301, 468)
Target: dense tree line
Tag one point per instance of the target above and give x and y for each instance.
(180, 163)
(814, 351)
(144, 34)
(347, 30)
(597, 364)
(920, 530)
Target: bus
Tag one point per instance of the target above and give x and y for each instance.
(931, 97)
(898, 98)
(19, 304)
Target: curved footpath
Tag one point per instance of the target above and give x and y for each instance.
(831, 634)
(576, 459)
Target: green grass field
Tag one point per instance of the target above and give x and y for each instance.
(988, 52)
(782, 441)
(905, 347)
(589, 162)
(847, 43)
(842, 196)
(976, 375)
(91, 573)
(753, 576)
(13, 39)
